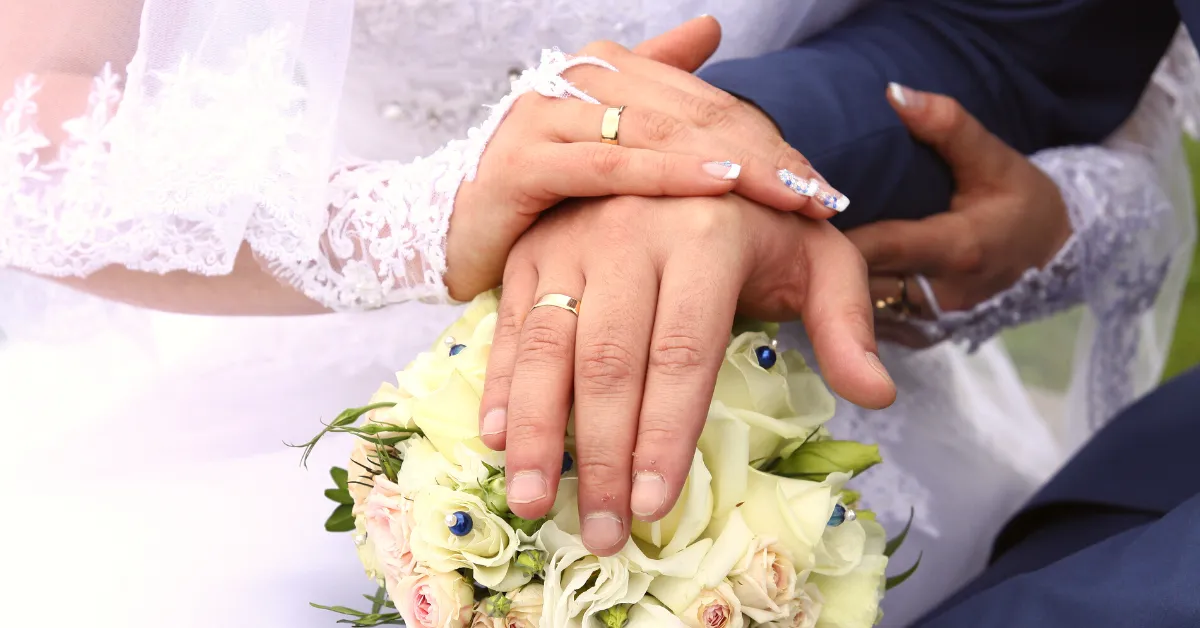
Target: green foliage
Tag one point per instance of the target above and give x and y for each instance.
(894, 544)
(899, 579)
(815, 460)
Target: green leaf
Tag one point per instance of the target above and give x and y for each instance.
(342, 610)
(342, 519)
(528, 526)
(340, 477)
(339, 495)
(817, 459)
(894, 544)
(898, 580)
(379, 601)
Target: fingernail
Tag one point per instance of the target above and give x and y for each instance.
(905, 97)
(724, 170)
(873, 360)
(495, 422)
(649, 493)
(603, 530)
(527, 487)
(823, 193)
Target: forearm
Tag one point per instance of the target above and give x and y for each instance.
(1027, 73)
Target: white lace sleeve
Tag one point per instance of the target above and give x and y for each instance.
(221, 136)
(1132, 212)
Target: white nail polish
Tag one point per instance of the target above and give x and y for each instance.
(726, 170)
(897, 93)
(799, 185)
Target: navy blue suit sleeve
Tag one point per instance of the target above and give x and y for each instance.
(1145, 576)
(1037, 74)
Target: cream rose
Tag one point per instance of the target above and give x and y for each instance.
(488, 548)
(787, 390)
(434, 601)
(483, 620)
(526, 610)
(714, 608)
(687, 519)
(764, 581)
(803, 612)
(732, 539)
(851, 600)
(439, 392)
(387, 525)
(423, 466)
(579, 585)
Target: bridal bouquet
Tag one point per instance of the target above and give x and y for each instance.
(764, 534)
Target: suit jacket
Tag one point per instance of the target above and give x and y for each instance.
(1112, 540)
(1039, 74)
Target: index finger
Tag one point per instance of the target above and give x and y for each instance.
(901, 247)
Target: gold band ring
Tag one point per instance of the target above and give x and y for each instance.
(900, 304)
(611, 124)
(561, 301)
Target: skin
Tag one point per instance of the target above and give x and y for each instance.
(660, 281)
(1006, 217)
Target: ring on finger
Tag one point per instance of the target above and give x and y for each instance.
(611, 124)
(561, 301)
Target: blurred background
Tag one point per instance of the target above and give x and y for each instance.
(1185, 352)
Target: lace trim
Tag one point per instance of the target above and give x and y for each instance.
(122, 191)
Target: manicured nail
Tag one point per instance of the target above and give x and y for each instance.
(495, 422)
(649, 493)
(905, 97)
(823, 193)
(724, 170)
(527, 487)
(873, 360)
(603, 530)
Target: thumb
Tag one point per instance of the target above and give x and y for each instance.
(686, 46)
(940, 121)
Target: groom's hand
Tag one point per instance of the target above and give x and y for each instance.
(658, 281)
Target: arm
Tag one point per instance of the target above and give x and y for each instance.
(1144, 576)
(1031, 72)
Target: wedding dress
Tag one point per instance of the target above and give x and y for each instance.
(144, 467)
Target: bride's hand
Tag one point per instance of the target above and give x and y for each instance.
(1006, 217)
(674, 135)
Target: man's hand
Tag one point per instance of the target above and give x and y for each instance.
(659, 281)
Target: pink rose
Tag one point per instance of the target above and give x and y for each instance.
(715, 608)
(389, 523)
(434, 601)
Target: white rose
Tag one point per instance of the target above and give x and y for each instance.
(852, 600)
(483, 620)
(764, 581)
(579, 585)
(423, 466)
(794, 512)
(526, 610)
(439, 392)
(733, 539)
(488, 548)
(687, 519)
(388, 526)
(714, 608)
(788, 390)
(648, 613)
(443, 600)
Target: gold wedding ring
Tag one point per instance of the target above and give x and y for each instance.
(901, 304)
(611, 124)
(561, 301)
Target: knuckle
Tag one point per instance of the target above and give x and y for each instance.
(508, 323)
(708, 220)
(725, 101)
(677, 352)
(606, 160)
(605, 367)
(788, 157)
(524, 427)
(949, 116)
(705, 113)
(661, 128)
(544, 341)
(601, 48)
(602, 472)
(657, 432)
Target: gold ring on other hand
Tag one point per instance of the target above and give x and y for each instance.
(561, 301)
(610, 126)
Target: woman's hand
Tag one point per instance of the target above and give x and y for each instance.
(1006, 217)
(677, 137)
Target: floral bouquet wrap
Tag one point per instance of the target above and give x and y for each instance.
(764, 534)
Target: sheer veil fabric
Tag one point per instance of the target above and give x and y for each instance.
(144, 455)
